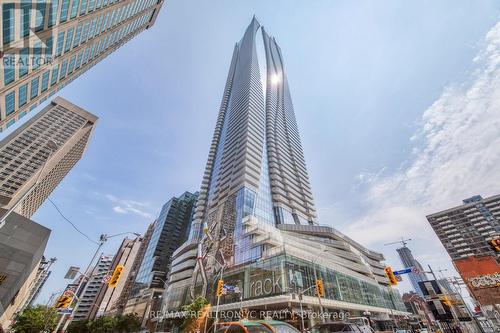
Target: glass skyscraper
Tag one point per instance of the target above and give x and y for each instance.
(256, 207)
(45, 44)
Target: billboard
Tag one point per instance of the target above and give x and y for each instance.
(482, 276)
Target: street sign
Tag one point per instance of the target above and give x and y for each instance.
(399, 278)
(106, 278)
(403, 271)
(65, 311)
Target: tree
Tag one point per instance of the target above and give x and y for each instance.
(128, 323)
(80, 326)
(35, 319)
(196, 314)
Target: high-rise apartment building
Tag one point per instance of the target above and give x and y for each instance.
(465, 230)
(91, 289)
(36, 286)
(48, 43)
(257, 211)
(108, 299)
(36, 157)
(417, 275)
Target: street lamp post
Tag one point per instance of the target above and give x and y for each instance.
(52, 145)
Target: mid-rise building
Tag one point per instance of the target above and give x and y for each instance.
(418, 274)
(108, 299)
(90, 291)
(37, 156)
(256, 208)
(36, 286)
(46, 44)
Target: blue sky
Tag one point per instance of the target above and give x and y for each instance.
(397, 104)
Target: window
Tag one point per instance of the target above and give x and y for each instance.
(23, 94)
(10, 102)
(85, 32)
(92, 28)
(64, 11)
(78, 34)
(83, 7)
(74, 8)
(49, 46)
(8, 22)
(37, 55)
(79, 60)
(71, 65)
(8, 64)
(60, 43)
(40, 15)
(63, 69)
(34, 87)
(91, 5)
(69, 38)
(25, 17)
(53, 12)
(55, 73)
(45, 81)
(23, 62)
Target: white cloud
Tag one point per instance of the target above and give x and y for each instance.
(123, 206)
(456, 155)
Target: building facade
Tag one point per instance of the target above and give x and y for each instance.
(466, 232)
(22, 243)
(90, 291)
(36, 286)
(47, 44)
(36, 157)
(171, 229)
(256, 207)
(108, 298)
(418, 274)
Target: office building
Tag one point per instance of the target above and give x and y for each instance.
(22, 243)
(37, 156)
(257, 210)
(90, 291)
(417, 275)
(170, 231)
(107, 300)
(47, 44)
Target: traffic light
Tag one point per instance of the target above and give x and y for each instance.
(495, 244)
(320, 288)
(63, 302)
(116, 276)
(220, 287)
(390, 276)
(446, 301)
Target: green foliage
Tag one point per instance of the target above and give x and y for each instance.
(35, 319)
(116, 324)
(196, 311)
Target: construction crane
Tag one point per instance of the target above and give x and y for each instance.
(402, 241)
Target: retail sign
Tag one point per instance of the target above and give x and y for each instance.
(270, 283)
(485, 281)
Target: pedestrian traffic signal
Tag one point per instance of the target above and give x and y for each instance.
(220, 287)
(63, 302)
(390, 276)
(320, 288)
(116, 276)
(495, 244)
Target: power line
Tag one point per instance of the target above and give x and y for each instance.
(74, 226)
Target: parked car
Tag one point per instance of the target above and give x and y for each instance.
(336, 327)
(280, 327)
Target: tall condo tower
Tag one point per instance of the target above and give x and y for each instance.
(256, 210)
(45, 44)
